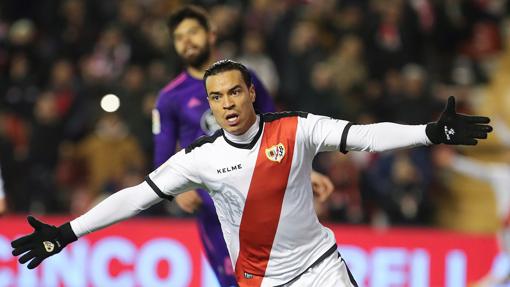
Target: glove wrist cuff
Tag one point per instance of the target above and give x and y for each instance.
(67, 234)
(432, 133)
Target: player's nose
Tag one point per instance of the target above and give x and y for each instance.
(228, 103)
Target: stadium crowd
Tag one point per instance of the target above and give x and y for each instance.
(363, 61)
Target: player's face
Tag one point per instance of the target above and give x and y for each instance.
(231, 101)
(193, 43)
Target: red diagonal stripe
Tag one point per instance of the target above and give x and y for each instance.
(263, 204)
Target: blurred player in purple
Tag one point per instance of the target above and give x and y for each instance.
(182, 115)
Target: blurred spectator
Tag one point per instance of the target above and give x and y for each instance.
(264, 14)
(156, 35)
(108, 155)
(226, 19)
(74, 30)
(414, 103)
(321, 93)
(378, 102)
(11, 168)
(111, 54)
(399, 183)
(21, 36)
(69, 100)
(93, 84)
(303, 52)
(20, 90)
(467, 28)
(344, 204)
(71, 176)
(134, 102)
(43, 154)
(393, 37)
(348, 57)
(253, 56)
(131, 90)
(350, 18)
(130, 23)
(158, 75)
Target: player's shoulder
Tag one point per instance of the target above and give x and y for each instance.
(174, 86)
(269, 117)
(169, 95)
(201, 141)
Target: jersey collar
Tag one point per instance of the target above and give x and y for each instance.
(250, 144)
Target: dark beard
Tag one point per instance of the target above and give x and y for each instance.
(200, 60)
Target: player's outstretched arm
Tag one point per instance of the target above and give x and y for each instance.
(451, 128)
(48, 240)
(457, 129)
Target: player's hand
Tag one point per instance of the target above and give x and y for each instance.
(189, 201)
(457, 129)
(45, 241)
(321, 185)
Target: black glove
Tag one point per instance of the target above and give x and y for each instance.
(45, 241)
(457, 129)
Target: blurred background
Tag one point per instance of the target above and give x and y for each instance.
(64, 145)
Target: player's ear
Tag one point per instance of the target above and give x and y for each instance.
(253, 95)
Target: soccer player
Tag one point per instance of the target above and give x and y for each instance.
(182, 114)
(256, 169)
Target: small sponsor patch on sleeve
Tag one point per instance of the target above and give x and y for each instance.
(156, 122)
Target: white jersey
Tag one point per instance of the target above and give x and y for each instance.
(260, 185)
(262, 192)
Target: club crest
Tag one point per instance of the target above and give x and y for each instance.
(48, 246)
(276, 152)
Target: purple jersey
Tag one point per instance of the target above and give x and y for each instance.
(182, 115)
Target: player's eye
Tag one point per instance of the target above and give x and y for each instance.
(215, 97)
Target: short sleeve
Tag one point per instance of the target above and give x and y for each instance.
(177, 175)
(325, 133)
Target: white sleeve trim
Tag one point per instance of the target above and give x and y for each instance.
(324, 133)
(385, 136)
(118, 206)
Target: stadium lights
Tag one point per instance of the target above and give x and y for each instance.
(110, 103)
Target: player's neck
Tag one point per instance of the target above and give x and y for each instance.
(247, 136)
